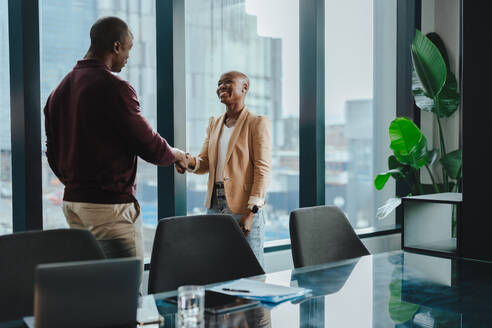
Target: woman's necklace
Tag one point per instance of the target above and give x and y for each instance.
(229, 121)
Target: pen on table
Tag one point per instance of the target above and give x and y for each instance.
(235, 290)
(145, 323)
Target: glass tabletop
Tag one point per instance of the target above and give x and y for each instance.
(396, 289)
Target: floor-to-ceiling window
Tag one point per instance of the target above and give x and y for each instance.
(64, 39)
(360, 101)
(5, 145)
(260, 39)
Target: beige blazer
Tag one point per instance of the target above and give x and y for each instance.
(247, 161)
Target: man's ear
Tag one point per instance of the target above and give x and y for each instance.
(245, 87)
(116, 47)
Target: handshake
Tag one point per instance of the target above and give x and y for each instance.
(183, 161)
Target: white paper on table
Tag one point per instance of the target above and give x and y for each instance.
(147, 310)
(260, 291)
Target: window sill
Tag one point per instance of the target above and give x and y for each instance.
(284, 244)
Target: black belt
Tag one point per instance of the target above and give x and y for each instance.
(219, 190)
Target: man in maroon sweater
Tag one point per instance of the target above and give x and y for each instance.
(94, 133)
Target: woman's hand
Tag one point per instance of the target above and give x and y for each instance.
(191, 161)
(246, 222)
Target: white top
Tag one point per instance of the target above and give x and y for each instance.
(222, 151)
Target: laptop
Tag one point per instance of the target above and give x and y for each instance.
(101, 293)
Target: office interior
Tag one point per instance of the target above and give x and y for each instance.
(330, 75)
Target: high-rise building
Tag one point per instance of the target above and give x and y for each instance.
(360, 188)
(221, 36)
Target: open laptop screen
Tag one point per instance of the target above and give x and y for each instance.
(87, 294)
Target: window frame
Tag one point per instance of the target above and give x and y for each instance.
(171, 118)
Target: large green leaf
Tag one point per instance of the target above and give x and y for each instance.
(405, 172)
(423, 101)
(408, 143)
(439, 43)
(429, 65)
(449, 98)
(452, 163)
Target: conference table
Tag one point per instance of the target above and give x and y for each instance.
(394, 289)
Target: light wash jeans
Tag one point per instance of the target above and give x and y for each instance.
(257, 235)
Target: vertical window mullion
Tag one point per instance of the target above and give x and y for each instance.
(312, 103)
(171, 111)
(25, 114)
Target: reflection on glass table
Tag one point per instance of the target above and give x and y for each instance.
(395, 289)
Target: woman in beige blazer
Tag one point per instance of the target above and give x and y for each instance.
(236, 154)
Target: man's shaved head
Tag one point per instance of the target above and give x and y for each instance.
(106, 31)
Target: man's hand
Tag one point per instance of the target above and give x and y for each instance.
(181, 162)
(246, 222)
(191, 161)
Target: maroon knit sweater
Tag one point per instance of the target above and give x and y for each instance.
(94, 133)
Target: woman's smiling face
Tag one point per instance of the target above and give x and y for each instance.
(231, 88)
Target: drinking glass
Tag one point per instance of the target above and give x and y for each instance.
(190, 307)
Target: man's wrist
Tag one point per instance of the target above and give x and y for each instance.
(176, 152)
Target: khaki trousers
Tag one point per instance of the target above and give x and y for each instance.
(117, 227)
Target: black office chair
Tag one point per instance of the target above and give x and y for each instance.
(20, 253)
(199, 250)
(322, 234)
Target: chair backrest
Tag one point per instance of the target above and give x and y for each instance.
(20, 253)
(322, 234)
(101, 293)
(199, 250)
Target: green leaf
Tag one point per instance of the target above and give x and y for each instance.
(408, 143)
(449, 98)
(421, 99)
(393, 162)
(452, 163)
(382, 178)
(436, 39)
(433, 156)
(403, 170)
(429, 64)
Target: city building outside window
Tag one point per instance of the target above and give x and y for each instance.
(64, 39)
(360, 101)
(261, 39)
(5, 144)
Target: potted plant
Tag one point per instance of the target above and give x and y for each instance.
(435, 90)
